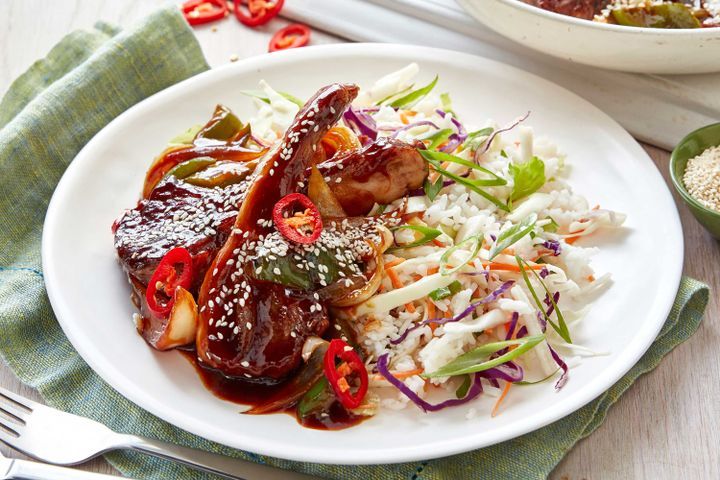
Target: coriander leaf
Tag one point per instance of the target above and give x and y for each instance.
(528, 177)
(512, 234)
(415, 96)
(474, 360)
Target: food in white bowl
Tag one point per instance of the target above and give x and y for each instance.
(643, 37)
(639, 13)
(361, 251)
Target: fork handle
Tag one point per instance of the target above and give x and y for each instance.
(228, 467)
(26, 470)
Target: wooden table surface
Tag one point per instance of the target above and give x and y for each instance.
(665, 427)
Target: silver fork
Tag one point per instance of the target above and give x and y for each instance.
(13, 469)
(61, 438)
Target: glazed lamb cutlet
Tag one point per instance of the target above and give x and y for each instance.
(200, 211)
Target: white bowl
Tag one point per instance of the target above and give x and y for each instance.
(616, 47)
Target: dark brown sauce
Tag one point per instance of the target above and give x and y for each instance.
(245, 393)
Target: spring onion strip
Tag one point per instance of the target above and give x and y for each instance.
(428, 234)
(439, 157)
(448, 253)
(511, 235)
(415, 96)
(468, 362)
(560, 327)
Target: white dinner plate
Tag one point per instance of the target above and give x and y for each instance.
(90, 294)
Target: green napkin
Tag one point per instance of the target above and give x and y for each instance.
(46, 117)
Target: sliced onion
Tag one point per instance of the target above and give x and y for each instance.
(321, 195)
(474, 391)
(344, 298)
(311, 343)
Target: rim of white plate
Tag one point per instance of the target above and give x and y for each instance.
(402, 453)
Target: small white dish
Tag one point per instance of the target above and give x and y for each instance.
(89, 293)
(616, 47)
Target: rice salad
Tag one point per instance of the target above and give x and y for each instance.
(484, 283)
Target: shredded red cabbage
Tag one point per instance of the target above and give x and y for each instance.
(544, 272)
(360, 122)
(475, 389)
(564, 377)
(513, 324)
(471, 308)
(543, 322)
(413, 125)
(488, 143)
(508, 371)
(553, 245)
(456, 139)
(550, 304)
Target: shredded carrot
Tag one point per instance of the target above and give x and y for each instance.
(500, 399)
(396, 283)
(591, 278)
(405, 114)
(571, 240)
(433, 270)
(394, 263)
(507, 267)
(488, 331)
(430, 309)
(408, 373)
(438, 243)
(343, 384)
(344, 369)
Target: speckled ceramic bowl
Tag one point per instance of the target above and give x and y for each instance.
(617, 47)
(690, 146)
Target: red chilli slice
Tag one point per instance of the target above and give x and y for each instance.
(254, 13)
(351, 363)
(198, 12)
(174, 270)
(299, 225)
(293, 36)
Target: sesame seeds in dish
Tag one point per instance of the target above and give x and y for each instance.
(363, 250)
(702, 178)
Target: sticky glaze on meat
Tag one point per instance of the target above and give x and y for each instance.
(380, 172)
(249, 327)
